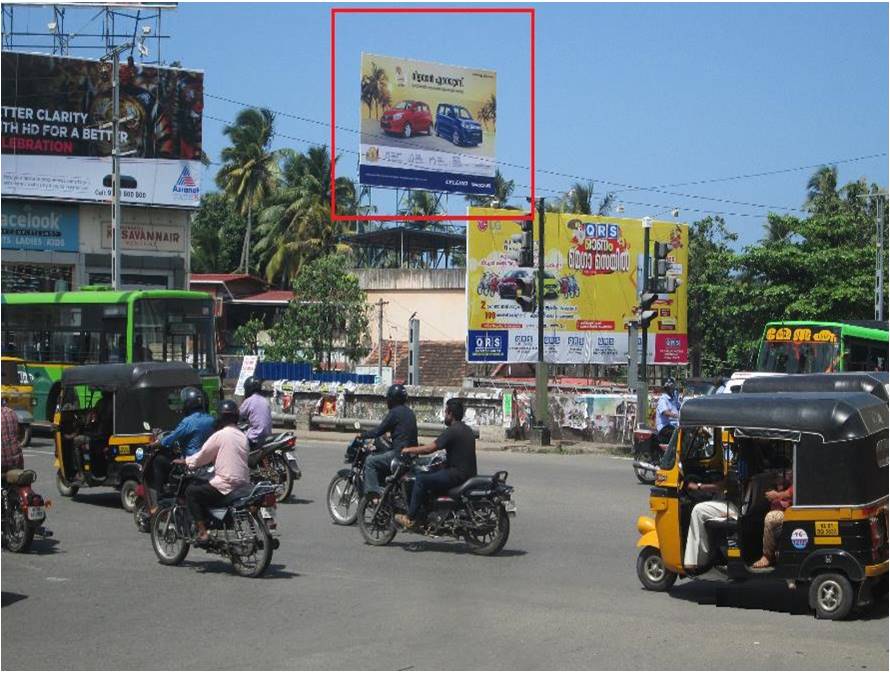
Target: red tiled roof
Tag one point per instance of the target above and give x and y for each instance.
(442, 363)
(268, 297)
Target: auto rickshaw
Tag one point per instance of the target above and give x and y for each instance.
(827, 435)
(18, 391)
(106, 417)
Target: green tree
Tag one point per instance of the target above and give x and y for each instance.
(421, 203)
(296, 226)
(503, 192)
(247, 335)
(249, 174)
(217, 235)
(328, 315)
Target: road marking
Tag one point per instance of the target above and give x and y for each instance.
(45, 453)
(56, 579)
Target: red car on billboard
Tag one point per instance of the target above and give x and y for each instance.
(407, 118)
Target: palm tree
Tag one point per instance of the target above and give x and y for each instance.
(489, 111)
(421, 203)
(297, 227)
(367, 94)
(249, 173)
(579, 199)
(377, 86)
(503, 191)
(822, 190)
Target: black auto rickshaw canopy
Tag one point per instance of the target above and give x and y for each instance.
(144, 392)
(875, 383)
(839, 438)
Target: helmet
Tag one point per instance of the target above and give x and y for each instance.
(192, 400)
(252, 385)
(228, 412)
(395, 395)
(669, 385)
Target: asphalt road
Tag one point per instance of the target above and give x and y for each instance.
(563, 594)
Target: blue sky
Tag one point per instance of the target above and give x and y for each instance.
(640, 95)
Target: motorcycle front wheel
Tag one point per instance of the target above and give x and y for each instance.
(342, 500)
(377, 531)
(18, 534)
(169, 546)
(285, 478)
(491, 539)
(644, 475)
(255, 564)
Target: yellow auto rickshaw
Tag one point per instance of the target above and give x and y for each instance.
(18, 392)
(106, 417)
(826, 436)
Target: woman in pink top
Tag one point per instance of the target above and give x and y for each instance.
(227, 449)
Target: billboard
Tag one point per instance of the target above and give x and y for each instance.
(427, 125)
(56, 143)
(48, 227)
(590, 290)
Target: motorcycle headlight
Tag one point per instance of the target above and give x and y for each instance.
(139, 454)
(398, 115)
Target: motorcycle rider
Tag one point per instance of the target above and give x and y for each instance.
(191, 433)
(255, 409)
(460, 462)
(667, 413)
(227, 449)
(401, 423)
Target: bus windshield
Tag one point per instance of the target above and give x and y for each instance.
(166, 330)
(790, 357)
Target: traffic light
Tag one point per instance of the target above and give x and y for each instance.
(660, 282)
(527, 250)
(647, 314)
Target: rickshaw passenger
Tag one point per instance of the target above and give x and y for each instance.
(779, 500)
(100, 427)
(698, 551)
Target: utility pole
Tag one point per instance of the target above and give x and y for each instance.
(116, 171)
(643, 382)
(541, 378)
(380, 305)
(879, 262)
(413, 351)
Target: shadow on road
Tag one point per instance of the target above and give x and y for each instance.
(8, 598)
(111, 500)
(449, 547)
(274, 571)
(296, 501)
(760, 595)
(46, 545)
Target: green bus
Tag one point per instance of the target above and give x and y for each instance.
(55, 330)
(809, 347)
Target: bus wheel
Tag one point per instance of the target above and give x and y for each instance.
(831, 596)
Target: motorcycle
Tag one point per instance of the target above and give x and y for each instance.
(348, 485)
(478, 510)
(24, 511)
(240, 528)
(275, 460)
(647, 454)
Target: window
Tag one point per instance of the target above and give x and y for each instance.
(36, 278)
(168, 330)
(865, 356)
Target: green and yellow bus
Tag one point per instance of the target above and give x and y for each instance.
(55, 330)
(810, 347)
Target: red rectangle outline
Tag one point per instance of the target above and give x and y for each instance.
(428, 10)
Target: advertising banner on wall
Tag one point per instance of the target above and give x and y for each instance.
(48, 227)
(427, 125)
(56, 142)
(590, 290)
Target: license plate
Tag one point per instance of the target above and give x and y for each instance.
(36, 513)
(267, 513)
(291, 457)
(510, 507)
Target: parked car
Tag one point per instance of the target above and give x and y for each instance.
(407, 118)
(457, 124)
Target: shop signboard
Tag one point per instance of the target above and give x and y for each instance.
(154, 237)
(47, 227)
(590, 290)
(427, 125)
(57, 140)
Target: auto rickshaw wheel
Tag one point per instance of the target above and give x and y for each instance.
(65, 489)
(831, 596)
(652, 572)
(128, 495)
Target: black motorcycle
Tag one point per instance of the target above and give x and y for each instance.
(275, 461)
(478, 510)
(348, 485)
(238, 527)
(647, 454)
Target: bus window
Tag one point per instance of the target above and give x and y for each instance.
(788, 357)
(180, 330)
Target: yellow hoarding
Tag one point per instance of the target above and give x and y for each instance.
(590, 289)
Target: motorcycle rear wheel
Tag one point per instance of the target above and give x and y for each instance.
(643, 475)
(140, 515)
(257, 563)
(489, 543)
(285, 478)
(380, 532)
(18, 534)
(170, 548)
(343, 511)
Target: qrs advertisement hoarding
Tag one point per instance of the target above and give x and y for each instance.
(57, 138)
(590, 290)
(427, 125)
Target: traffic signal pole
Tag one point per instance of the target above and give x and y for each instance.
(541, 376)
(642, 382)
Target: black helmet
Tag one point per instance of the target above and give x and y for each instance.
(669, 385)
(228, 412)
(192, 400)
(395, 395)
(252, 385)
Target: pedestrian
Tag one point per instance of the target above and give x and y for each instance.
(13, 459)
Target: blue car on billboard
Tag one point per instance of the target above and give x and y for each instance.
(457, 124)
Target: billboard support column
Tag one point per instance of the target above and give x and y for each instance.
(541, 377)
(643, 384)
(116, 172)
